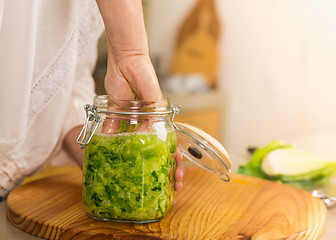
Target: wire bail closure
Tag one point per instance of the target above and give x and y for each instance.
(176, 110)
(91, 115)
(227, 179)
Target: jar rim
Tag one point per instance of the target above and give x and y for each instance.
(104, 104)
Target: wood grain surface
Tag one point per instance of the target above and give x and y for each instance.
(206, 208)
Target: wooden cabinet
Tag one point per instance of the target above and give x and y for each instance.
(206, 119)
(204, 110)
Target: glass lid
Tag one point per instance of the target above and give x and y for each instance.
(202, 149)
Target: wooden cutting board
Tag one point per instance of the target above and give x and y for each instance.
(206, 208)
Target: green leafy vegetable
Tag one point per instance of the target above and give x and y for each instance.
(253, 167)
(280, 162)
(129, 176)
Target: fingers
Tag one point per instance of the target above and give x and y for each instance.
(179, 155)
(110, 125)
(179, 173)
(178, 186)
(180, 170)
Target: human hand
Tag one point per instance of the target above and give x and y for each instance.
(130, 74)
(118, 88)
(131, 77)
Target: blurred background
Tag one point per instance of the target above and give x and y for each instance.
(247, 72)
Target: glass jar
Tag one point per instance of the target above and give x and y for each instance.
(129, 160)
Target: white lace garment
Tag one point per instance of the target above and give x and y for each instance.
(47, 54)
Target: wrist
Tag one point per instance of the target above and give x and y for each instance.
(124, 25)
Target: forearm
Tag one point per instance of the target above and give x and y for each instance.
(130, 73)
(124, 26)
(72, 147)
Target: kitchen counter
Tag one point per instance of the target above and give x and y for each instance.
(8, 231)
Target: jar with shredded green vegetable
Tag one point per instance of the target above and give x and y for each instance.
(129, 160)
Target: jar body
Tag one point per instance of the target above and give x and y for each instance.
(129, 173)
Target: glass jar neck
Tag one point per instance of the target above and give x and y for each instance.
(106, 105)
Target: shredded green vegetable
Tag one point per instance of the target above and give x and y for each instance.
(129, 176)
